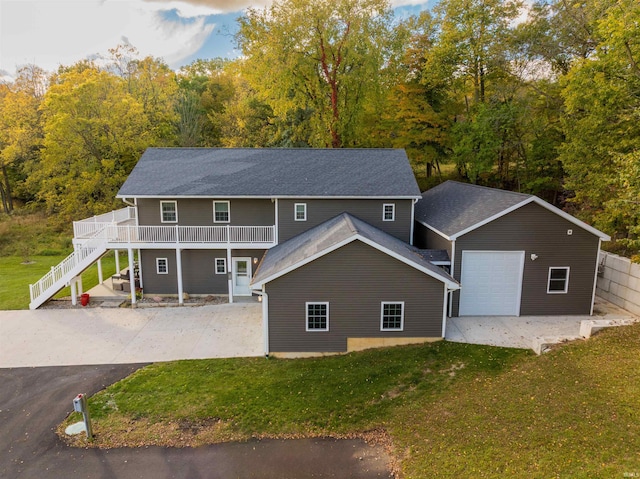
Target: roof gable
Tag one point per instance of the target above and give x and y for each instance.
(453, 209)
(333, 234)
(271, 172)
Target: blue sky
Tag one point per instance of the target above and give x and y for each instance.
(50, 33)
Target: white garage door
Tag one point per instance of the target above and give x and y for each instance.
(491, 283)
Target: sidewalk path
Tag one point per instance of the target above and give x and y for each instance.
(63, 337)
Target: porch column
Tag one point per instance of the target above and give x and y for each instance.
(100, 278)
(74, 293)
(132, 280)
(140, 269)
(179, 274)
(230, 274)
(79, 280)
(117, 254)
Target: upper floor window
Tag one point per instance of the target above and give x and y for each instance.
(162, 266)
(317, 316)
(300, 212)
(221, 212)
(389, 212)
(558, 281)
(392, 316)
(169, 211)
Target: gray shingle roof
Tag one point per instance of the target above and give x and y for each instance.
(452, 207)
(271, 172)
(296, 251)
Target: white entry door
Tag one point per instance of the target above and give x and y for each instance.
(241, 275)
(491, 283)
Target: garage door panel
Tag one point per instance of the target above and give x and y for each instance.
(491, 283)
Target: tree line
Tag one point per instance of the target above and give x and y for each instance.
(546, 103)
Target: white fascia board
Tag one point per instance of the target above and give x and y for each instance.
(309, 259)
(436, 231)
(450, 284)
(270, 197)
(544, 204)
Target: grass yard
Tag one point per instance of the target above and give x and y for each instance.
(449, 410)
(15, 277)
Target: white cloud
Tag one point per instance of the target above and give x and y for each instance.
(61, 32)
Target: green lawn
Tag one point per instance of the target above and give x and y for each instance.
(16, 275)
(450, 410)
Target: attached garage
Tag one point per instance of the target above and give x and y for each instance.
(513, 254)
(492, 283)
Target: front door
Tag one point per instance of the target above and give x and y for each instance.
(241, 275)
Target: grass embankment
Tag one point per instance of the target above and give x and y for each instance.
(450, 410)
(29, 247)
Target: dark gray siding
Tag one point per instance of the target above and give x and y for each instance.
(199, 212)
(199, 275)
(534, 229)
(154, 283)
(354, 280)
(320, 210)
(427, 239)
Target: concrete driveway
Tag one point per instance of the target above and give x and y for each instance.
(61, 337)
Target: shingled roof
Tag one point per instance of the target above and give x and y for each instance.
(453, 208)
(271, 172)
(331, 235)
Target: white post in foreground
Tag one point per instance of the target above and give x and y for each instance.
(74, 293)
(179, 274)
(117, 254)
(132, 280)
(100, 278)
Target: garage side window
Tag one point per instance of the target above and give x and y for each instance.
(392, 316)
(317, 316)
(169, 211)
(558, 282)
(162, 266)
(389, 212)
(300, 212)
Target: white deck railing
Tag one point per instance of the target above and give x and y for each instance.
(88, 227)
(189, 234)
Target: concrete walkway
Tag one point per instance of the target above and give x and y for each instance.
(60, 337)
(527, 332)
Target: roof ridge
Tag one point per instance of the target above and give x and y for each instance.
(517, 193)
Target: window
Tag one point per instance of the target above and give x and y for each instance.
(162, 266)
(392, 316)
(300, 212)
(220, 211)
(169, 211)
(389, 212)
(317, 316)
(221, 265)
(558, 280)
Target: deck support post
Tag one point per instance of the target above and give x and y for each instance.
(230, 274)
(132, 279)
(140, 269)
(100, 278)
(74, 292)
(117, 255)
(79, 281)
(179, 274)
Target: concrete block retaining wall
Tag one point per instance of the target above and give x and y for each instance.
(619, 282)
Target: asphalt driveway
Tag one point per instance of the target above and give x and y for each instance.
(33, 401)
(61, 337)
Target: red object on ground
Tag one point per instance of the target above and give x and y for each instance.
(84, 299)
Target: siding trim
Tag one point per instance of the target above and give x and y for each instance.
(451, 285)
(595, 278)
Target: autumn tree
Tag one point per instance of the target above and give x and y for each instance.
(322, 56)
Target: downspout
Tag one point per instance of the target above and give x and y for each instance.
(595, 277)
(451, 272)
(444, 311)
(265, 318)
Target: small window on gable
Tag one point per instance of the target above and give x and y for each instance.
(389, 212)
(558, 282)
(392, 316)
(221, 212)
(221, 265)
(317, 316)
(169, 211)
(162, 266)
(300, 211)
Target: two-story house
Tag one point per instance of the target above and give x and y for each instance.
(325, 239)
